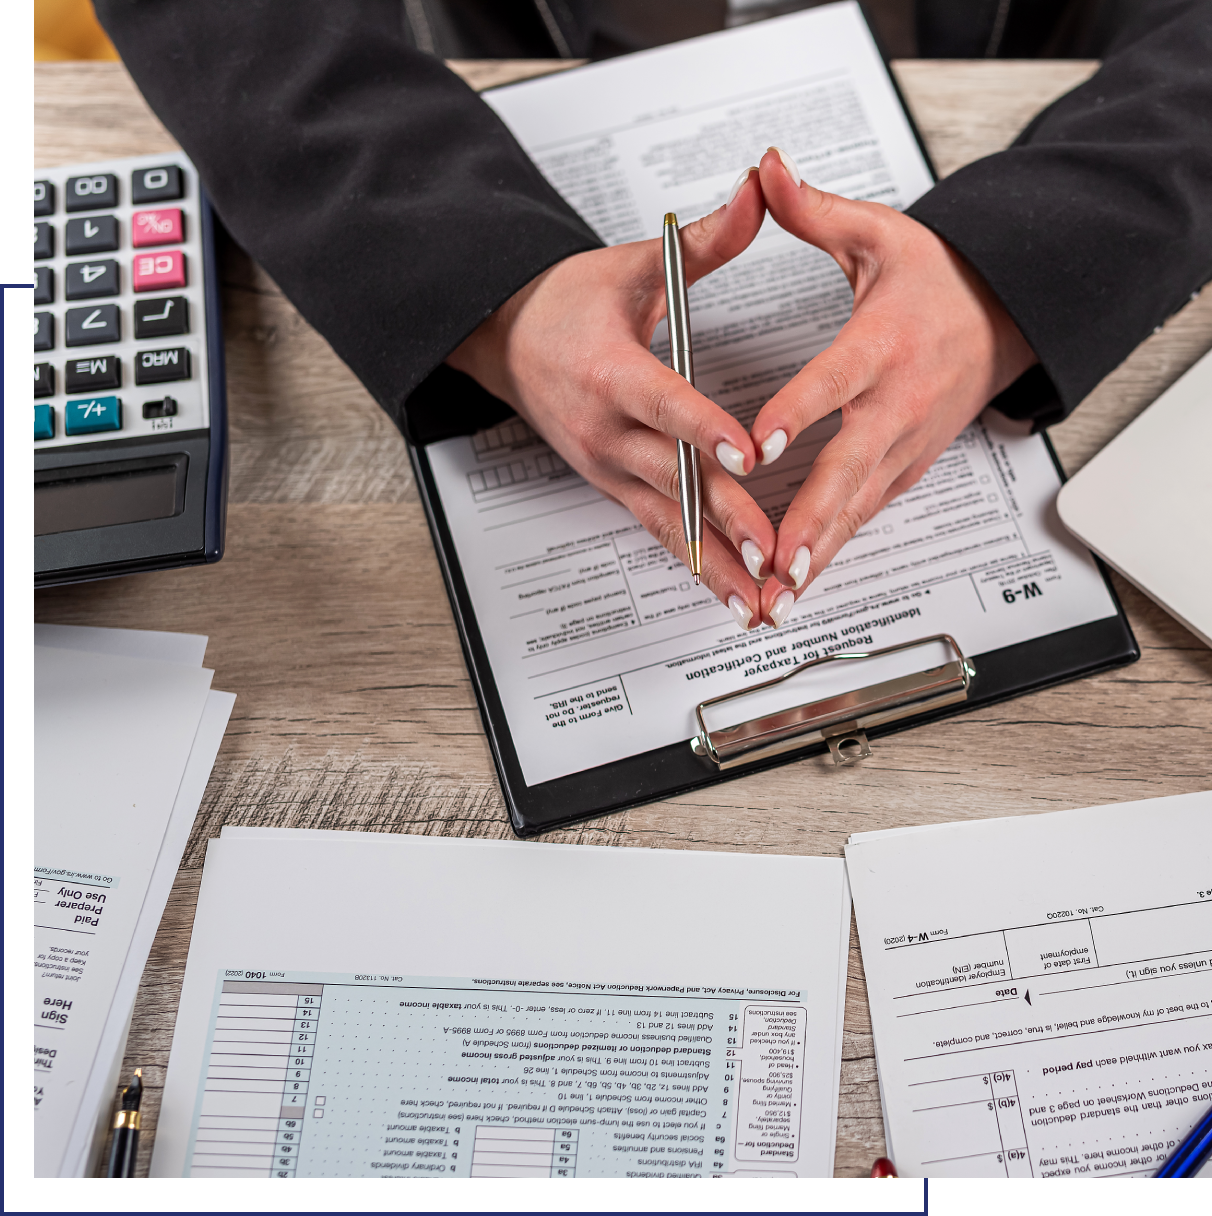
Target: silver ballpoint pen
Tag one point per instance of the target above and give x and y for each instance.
(681, 359)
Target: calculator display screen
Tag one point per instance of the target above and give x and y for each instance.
(123, 492)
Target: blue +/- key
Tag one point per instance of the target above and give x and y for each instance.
(92, 414)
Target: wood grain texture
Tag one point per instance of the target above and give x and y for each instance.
(966, 109)
(328, 617)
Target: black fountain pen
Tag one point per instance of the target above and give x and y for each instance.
(125, 1148)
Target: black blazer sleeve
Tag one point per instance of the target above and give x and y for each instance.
(1096, 224)
(388, 202)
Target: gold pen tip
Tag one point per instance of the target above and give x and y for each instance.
(138, 1072)
(696, 580)
(670, 218)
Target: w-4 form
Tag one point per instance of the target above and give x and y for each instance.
(1042, 1005)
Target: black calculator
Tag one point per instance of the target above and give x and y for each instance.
(130, 407)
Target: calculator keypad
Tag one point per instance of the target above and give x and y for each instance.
(89, 280)
(44, 422)
(162, 317)
(44, 331)
(156, 185)
(164, 227)
(91, 326)
(94, 192)
(44, 198)
(161, 366)
(92, 416)
(89, 375)
(93, 234)
(158, 271)
(118, 254)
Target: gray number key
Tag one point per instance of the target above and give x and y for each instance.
(88, 326)
(88, 280)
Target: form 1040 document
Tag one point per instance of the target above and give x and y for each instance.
(451, 1008)
(1041, 988)
(599, 642)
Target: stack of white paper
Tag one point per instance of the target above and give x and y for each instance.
(368, 1005)
(126, 733)
(1041, 988)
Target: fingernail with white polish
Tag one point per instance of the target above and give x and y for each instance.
(733, 459)
(798, 569)
(753, 558)
(782, 606)
(740, 183)
(792, 168)
(774, 447)
(740, 610)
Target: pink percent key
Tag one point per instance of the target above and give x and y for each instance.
(156, 227)
(152, 271)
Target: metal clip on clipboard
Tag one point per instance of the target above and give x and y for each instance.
(839, 721)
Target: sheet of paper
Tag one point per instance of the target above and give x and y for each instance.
(189, 648)
(600, 643)
(1041, 988)
(629, 139)
(85, 1140)
(601, 646)
(452, 1008)
(112, 739)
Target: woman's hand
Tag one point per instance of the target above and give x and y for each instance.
(570, 353)
(927, 346)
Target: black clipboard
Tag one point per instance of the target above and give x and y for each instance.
(665, 772)
(994, 676)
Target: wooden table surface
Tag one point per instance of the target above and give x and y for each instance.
(328, 617)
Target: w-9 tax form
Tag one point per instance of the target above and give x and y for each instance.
(600, 642)
(1040, 988)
